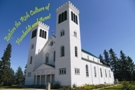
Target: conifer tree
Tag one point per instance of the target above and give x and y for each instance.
(113, 62)
(106, 57)
(5, 66)
(101, 59)
(19, 76)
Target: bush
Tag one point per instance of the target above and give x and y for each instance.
(126, 86)
(56, 85)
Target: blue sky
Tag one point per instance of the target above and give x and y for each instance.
(104, 24)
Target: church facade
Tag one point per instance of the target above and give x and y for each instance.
(60, 58)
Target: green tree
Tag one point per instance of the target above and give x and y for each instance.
(101, 59)
(106, 57)
(19, 76)
(113, 62)
(130, 68)
(5, 66)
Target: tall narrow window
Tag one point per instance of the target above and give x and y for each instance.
(47, 58)
(62, 51)
(62, 32)
(34, 33)
(105, 73)
(65, 15)
(72, 16)
(109, 73)
(45, 35)
(101, 72)
(95, 72)
(87, 71)
(31, 60)
(40, 33)
(54, 56)
(62, 16)
(76, 51)
(76, 19)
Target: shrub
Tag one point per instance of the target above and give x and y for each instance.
(56, 85)
(126, 86)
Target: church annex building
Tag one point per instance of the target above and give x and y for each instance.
(60, 58)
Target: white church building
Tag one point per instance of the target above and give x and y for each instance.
(60, 58)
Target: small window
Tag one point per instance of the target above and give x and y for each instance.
(31, 60)
(32, 46)
(77, 71)
(34, 33)
(51, 43)
(76, 52)
(75, 33)
(47, 58)
(62, 71)
(62, 33)
(29, 74)
(62, 51)
(95, 72)
(87, 71)
(101, 72)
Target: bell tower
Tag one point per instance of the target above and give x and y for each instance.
(68, 44)
(38, 39)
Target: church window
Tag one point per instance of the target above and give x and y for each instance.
(62, 33)
(31, 60)
(42, 34)
(77, 71)
(32, 46)
(76, 51)
(62, 71)
(29, 74)
(101, 72)
(75, 33)
(109, 73)
(87, 71)
(34, 33)
(105, 73)
(95, 72)
(47, 58)
(74, 17)
(62, 51)
(54, 56)
(51, 43)
(62, 17)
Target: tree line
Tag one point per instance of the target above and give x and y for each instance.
(7, 75)
(123, 67)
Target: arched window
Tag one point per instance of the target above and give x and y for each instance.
(76, 51)
(31, 60)
(62, 50)
(47, 58)
(101, 72)
(62, 33)
(87, 71)
(95, 72)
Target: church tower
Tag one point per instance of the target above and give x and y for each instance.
(38, 39)
(68, 44)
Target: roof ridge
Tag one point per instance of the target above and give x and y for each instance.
(89, 53)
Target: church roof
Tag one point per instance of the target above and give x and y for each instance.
(89, 53)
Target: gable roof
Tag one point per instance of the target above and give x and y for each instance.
(89, 53)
